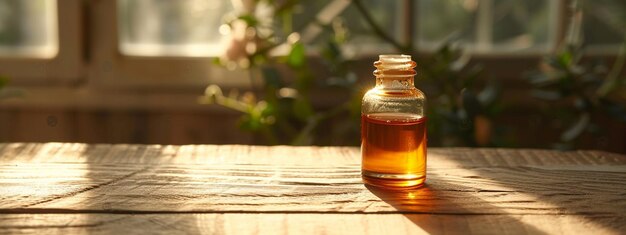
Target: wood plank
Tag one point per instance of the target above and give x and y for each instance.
(279, 188)
(212, 189)
(246, 223)
(286, 155)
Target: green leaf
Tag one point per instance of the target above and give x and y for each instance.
(470, 103)
(250, 122)
(574, 131)
(271, 77)
(488, 95)
(296, 57)
(286, 8)
(562, 61)
(565, 59)
(302, 108)
(250, 20)
(270, 110)
(459, 63)
(331, 51)
(217, 61)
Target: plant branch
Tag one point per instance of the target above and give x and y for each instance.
(613, 80)
(312, 123)
(377, 29)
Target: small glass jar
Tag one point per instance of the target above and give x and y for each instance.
(393, 126)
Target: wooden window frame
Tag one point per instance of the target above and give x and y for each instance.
(554, 38)
(66, 67)
(109, 68)
(89, 64)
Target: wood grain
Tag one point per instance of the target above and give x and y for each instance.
(268, 188)
(296, 189)
(287, 155)
(247, 223)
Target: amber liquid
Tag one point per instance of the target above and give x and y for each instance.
(393, 149)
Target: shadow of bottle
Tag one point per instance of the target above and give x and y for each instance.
(437, 209)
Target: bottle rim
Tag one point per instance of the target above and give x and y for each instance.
(394, 58)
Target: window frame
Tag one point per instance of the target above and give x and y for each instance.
(89, 52)
(110, 69)
(554, 39)
(67, 66)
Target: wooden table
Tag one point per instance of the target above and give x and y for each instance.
(207, 189)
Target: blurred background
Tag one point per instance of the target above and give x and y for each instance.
(497, 73)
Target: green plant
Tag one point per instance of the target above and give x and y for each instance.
(460, 109)
(580, 90)
(285, 114)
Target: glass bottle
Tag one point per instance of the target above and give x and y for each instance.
(393, 126)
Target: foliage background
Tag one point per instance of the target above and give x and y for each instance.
(463, 102)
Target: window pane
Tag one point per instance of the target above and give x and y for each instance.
(438, 20)
(387, 14)
(521, 24)
(171, 28)
(28, 28)
(487, 25)
(361, 38)
(604, 22)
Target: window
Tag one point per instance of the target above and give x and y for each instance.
(481, 26)
(604, 24)
(171, 28)
(171, 44)
(28, 28)
(488, 26)
(158, 44)
(360, 35)
(41, 41)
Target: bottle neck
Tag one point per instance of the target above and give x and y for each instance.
(395, 83)
(394, 72)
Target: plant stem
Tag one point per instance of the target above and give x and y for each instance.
(312, 122)
(612, 80)
(378, 30)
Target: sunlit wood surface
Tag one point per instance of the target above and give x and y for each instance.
(208, 189)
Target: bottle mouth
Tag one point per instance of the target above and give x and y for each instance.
(391, 58)
(394, 66)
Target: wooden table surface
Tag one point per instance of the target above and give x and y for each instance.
(208, 189)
